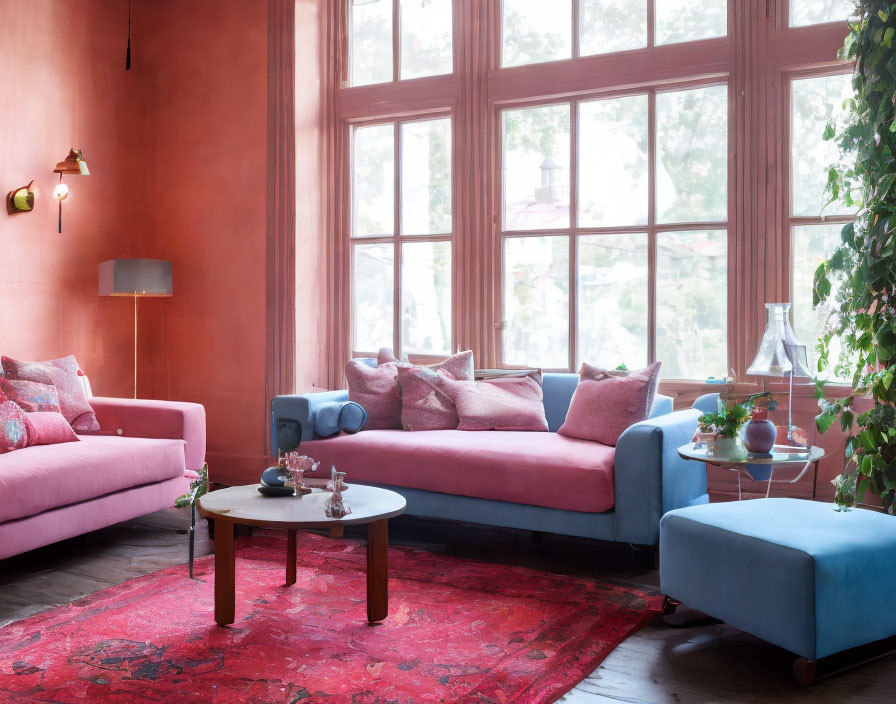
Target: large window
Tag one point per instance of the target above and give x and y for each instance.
(615, 234)
(534, 31)
(394, 40)
(551, 182)
(816, 102)
(401, 227)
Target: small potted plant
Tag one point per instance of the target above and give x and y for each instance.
(726, 425)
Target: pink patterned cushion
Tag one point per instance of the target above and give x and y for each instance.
(13, 431)
(31, 396)
(48, 429)
(378, 391)
(606, 403)
(515, 403)
(426, 403)
(63, 374)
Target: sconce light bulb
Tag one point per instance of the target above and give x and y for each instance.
(60, 192)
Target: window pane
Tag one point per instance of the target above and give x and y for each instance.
(613, 162)
(426, 297)
(371, 41)
(372, 297)
(692, 155)
(536, 168)
(426, 177)
(691, 304)
(813, 244)
(425, 38)
(536, 301)
(815, 103)
(804, 12)
(687, 20)
(536, 31)
(612, 25)
(612, 305)
(373, 181)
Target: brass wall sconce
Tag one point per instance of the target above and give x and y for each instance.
(74, 165)
(20, 200)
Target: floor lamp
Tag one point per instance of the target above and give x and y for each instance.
(136, 278)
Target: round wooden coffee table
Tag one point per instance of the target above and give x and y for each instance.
(246, 506)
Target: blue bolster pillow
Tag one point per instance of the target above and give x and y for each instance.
(330, 418)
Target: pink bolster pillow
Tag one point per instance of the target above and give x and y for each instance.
(48, 428)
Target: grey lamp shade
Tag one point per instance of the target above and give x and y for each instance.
(136, 277)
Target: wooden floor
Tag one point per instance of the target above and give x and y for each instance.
(713, 663)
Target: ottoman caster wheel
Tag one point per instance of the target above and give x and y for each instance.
(670, 606)
(804, 671)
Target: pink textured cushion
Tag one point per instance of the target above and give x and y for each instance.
(377, 389)
(514, 403)
(13, 429)
(541, 469)
(31, 396)
(48, 476)
(48, 429)
(426, 403)
(605, 404)
(63, 374)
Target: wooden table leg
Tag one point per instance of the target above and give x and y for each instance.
(377, 570)
(224, 574)
(290, 557)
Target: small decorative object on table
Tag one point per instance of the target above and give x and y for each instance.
(335, 506)
(278, 480)
(760, 433)
(721, 430)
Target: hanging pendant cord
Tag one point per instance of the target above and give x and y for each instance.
(127, 61)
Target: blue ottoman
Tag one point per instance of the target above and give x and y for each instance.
(795, 573)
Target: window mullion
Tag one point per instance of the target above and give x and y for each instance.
(651, 221)
(396, 40)
(651, 38)
(576, 19)
(396, 233)
(573, 288)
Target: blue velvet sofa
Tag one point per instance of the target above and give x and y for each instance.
(648, 477)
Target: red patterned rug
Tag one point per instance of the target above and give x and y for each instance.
(458, 631)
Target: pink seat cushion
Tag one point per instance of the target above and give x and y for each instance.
(64, 375)
(48, 476)
(13, 429)
(541, 469)
(48, 429)
(510, 403)
(605, 404)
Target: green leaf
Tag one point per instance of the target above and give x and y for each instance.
(828, 132)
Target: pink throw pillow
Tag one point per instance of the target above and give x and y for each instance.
(515, 403)
(30, 396)
(378, 391)
(426, 403)
(606, 403)
(64, 375)
(49, 429)
(13, 430)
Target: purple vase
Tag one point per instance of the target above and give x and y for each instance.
(760, 436)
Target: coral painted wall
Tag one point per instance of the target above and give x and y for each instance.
(203, 73)
(64, 85)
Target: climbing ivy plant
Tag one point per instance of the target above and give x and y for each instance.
(860, 276)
